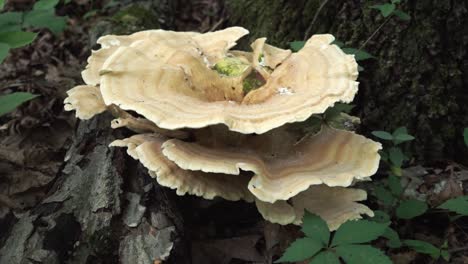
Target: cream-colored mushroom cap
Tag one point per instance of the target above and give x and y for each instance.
(335, 205)
(147, 149)
(285, 162)
(86, 100)
(176, 86)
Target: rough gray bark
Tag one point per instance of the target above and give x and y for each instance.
(419, 77)
(103, 208)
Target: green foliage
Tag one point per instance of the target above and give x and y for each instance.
(12, 24)
(359, 55)
(346, 243)
(301, 249)
(427, 248)
(296, 45)
(458, 205)
(10, 101)
(411, 208)
(2, 3)
(394, 155)
(390, 8)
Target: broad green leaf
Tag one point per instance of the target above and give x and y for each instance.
(402, 15)
(10, 21)
(10, 101)
(396, 156)
(400, 130)
(445, 254)
(359, 55)
(465, 136)
(325, 257)
(382, 135)
(351, 232)
(314, 227)
(301, 249)
(383, 155)
(45, 18)
(458, 205)
(384, 195)
(395, 185)
(17, 39)
(385, 9)
(45, 4)
(333, 112)
(380, 217)
(296, 45)
(423, 247)
(362, 254)
(393, 238)
(4, 48)
(338, 43)
(410, 209)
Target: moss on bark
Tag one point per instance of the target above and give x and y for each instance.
(419, 78)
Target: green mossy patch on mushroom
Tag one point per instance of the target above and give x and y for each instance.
(251, 82)
(231, 66)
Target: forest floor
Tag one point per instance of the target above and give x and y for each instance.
(35, 137)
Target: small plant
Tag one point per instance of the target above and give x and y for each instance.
(10, 101)
(390, 8)
(12, 25)
(349, 243)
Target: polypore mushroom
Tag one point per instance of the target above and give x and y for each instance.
(220, 98)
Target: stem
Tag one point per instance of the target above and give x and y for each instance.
(375, 32)
(307, 34)
(453, 250)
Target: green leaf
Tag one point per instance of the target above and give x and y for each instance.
(301, 249)
(395, 185)
(45, 19)
(382, 135)
(384, 195)
(338, 43)
(333, 112)
(10, 21)
(325, 257)
(314, 227)
(380, 217)
(396, 156)
(445, 255)
(458, 205)
(402, 15)
(296, 45)
(10, 101)
(2, 4)
(393, 238)
(423, 247)
(465, 136)
(45, 4)
(17, 39)
(383, 155)
(362, 254)
(4, 48)
(359, 55)
(410, 209)
(351, 232)
(385, 9)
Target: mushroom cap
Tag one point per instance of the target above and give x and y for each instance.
(173, 85)
(147, 149)
(285, 162)
(335, 205)
(86, 100)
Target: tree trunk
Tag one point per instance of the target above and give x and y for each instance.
(419, 78)
(103, 208)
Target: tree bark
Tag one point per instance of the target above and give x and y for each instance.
(103, 208)
(419, 78)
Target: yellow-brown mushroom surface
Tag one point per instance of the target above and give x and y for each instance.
(215, 122)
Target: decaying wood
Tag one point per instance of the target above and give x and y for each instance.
(102, 208)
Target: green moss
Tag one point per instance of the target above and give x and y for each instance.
(231, 66)
(252, 82)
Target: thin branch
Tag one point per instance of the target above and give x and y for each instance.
(307, 34)
(375, 32)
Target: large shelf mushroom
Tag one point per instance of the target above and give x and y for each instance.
(215, 121)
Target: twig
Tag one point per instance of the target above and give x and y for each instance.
(314, 19)
(453, 250)
(375, 32)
